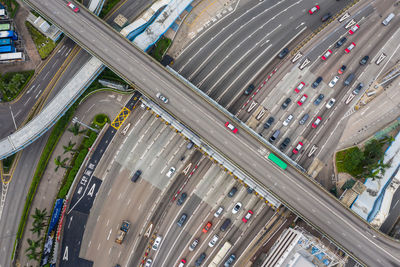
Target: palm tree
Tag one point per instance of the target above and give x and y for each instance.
(69, 147)
(37, 228)
(40, 215)
(33, 245)
(75, 129)
(60, 163)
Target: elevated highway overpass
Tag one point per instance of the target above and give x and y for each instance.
(186, 105)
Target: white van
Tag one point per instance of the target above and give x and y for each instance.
(388, 19)
(126, 128)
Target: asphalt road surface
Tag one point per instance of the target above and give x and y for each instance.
(317, 206)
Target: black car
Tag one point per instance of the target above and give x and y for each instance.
(249, 89)
(283, 53)
(364, 60)
(326, 17)
(182, 220)
(200, 259)
(232, 192)
(181, 199)
(269, 122)
(317, 82)
(286, 103)
(340, 42)
(284, 144)
(319, 99)
(136, 176)
(357, 90)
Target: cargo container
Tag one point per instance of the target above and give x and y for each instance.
(9, 34)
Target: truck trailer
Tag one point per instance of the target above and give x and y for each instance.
(123, 230)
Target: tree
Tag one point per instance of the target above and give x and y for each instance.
(353, 160)
(60, 163)
(69, 147)
(75, 129)
(37, 228)
(40, 215)
(373, 152)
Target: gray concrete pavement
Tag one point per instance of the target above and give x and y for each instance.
(325, 212)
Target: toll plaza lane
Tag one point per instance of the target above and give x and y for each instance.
(305, 197)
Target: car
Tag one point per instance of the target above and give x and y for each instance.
(247, 216)
(182, 263)
(340, 42)
(236, 208)
(297, 148)
(232, 192)
(354, 29)
(231, 127)
(200, 259)
(207, 227)
(286, 103)
(194, 244)
(182, 220)
(304, 119)
(170, 172)
(330, 103)
(357, 90)
(274, 136)
(313, 9)
(349, 48)
(181, 199)
(73, 7)
(327, 54)
(249, 89)
(162, 98)
(148, 263)
(230, 260)
(318, 100)
(225, 225)
(213, 241)
(157, 243)
(218, 211)
(299, 87)
(284, 144)
(342, 69)
(269, 122)
(326, 17)
(288, 120)
(283, 53)
(316, 122)
(334, 81)
(316, 82)
(302, 100)
(136, 176)
(364, 60)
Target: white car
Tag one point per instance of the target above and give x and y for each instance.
(162, 98)
(288, 119)
(148, 263)
(213, 241)
(219, 211)
(330, 103)
(157, 243)
(171, 171)
(236, 208)
(334, 81)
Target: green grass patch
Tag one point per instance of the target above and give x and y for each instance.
(12, 83)
(7, 163)
(108, 6)
(11, 6)
(160, 48)
(43, 44)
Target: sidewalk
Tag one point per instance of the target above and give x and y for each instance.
(111, 104)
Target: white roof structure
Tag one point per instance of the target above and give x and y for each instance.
(161, 24)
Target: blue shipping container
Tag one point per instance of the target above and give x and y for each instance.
(9, 34)
(5, 41)
(7, 49)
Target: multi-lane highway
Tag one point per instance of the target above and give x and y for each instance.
(318, 207)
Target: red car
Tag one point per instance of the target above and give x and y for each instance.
(313, 9)
(247, 216)
(316, 122)
(327, 54)
(207, 227)
(299, 87)
(182, 263)
(302, 100)
(297, 148)
(231, 127)
(354, 29)
(73, 7)
(349, 48)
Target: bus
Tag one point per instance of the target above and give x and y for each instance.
(220, 255)
(272, 157)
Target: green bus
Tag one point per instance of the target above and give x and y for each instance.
(272, 157)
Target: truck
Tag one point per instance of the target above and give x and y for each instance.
(220, 255)
(123, 230)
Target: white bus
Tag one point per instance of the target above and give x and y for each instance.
(220, 255)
